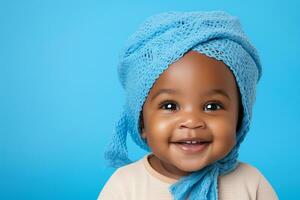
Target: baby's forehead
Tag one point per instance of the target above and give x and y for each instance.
(195, 70)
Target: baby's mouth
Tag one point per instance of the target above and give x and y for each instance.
(191, 145)
(191, 142)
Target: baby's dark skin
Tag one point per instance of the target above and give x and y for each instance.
(194, 109)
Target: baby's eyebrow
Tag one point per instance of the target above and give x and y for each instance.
(208, 93)
(165, 90)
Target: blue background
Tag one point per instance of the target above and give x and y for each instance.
(60, 96)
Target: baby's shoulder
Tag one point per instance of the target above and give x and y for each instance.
(128, 173)
(248, 181)
(244, 173)
(121, 182)
(246, 168)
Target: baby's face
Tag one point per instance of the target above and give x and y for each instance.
(194, 100)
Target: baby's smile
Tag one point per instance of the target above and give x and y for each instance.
(192, 148)
(191, 145)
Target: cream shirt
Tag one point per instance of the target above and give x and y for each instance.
(139, 181)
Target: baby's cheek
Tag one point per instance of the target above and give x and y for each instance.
(162, 127)
(159, 133)
(224, 133)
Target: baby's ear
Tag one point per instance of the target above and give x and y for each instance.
(143, 132)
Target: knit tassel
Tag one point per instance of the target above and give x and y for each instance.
(116, 152)
(197, 185)
(207, 190)
(203, 184)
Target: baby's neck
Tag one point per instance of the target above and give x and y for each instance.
(165, 168)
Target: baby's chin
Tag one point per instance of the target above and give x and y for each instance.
(191, 166)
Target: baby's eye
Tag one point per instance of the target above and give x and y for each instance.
(168, 105)
(213, 106)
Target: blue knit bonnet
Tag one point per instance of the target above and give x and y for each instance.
(160, 41)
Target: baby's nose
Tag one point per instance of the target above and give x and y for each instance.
(193, 122)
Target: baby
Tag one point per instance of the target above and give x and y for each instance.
(190, 80)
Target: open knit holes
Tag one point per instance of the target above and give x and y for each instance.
(148, 55)
(180, 24)
(215, 24)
